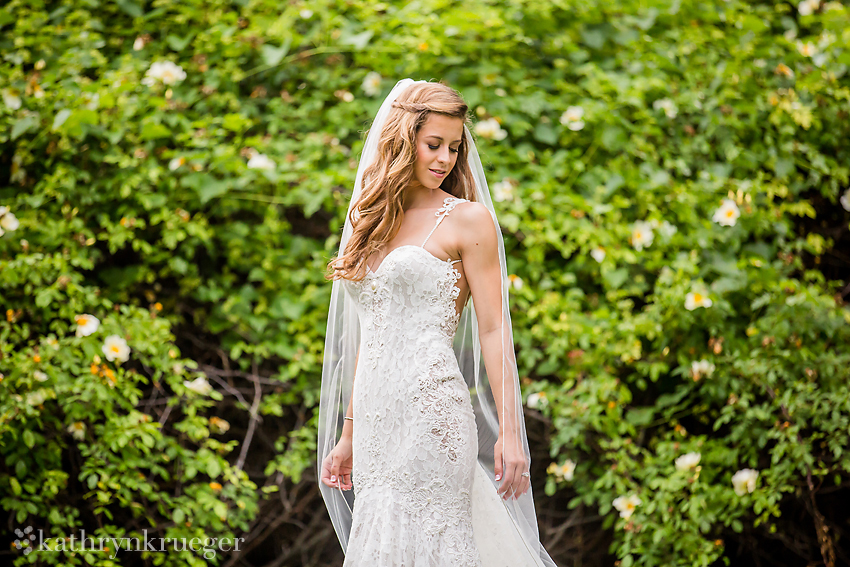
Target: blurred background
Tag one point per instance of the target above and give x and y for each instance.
(671, 178)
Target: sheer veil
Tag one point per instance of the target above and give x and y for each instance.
(342, 344)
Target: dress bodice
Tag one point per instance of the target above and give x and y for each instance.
(410, 297)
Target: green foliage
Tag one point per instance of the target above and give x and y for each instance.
(139, 203)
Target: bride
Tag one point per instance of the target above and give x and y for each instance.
(420, 410)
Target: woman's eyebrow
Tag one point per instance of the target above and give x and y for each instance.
(439, 138)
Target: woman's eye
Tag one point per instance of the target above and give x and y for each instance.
(435, 147)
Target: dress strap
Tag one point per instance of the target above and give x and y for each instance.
(449, 203)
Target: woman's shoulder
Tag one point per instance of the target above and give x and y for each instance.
(473, 219)
(472, 212)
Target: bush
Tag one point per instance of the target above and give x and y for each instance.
(668, 188)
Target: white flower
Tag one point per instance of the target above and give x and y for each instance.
(564, 471)
(806, 49)
(115, 348)
(845, 200)
(306, 14)
(807, 7)
(11, 99)
(572, 118)
(139, 44)
(52, 342)
(9, 222)
(503, 190)
(790, 35)
(165, 71)
(537, 400)
(344, 95)
(40, 376)
(641, 235)
(372, 84)
(744, 481)
(516, 281)
(667, 105)
(598, 254)
(78, 430)
(92, 101)
(260, 161)
(727, 214)
(86, 324)
(701, 368)
(36, 398)
(696, 299)
(825, 39)
(687, 461)
(667, 229)
(175, 163)
(626, 505)
(490, 129)
(199, 385)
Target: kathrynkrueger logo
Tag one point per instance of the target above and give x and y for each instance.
(24, 539)
(209, 545)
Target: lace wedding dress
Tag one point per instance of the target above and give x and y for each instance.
(422, 499)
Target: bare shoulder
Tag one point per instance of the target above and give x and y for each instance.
(473, 217)
(474, 224)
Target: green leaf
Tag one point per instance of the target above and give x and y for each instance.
(178, 516)
(613, 138)
(179, 43)
(640, 417)
(152, 130)
(273, 55)
(130, 8)
(235, 122)
(29, 438)
(545, 133)
(615, 278)
(213, 468)
(359, 41)
(22, 125)
(593, 36)
(60, 118)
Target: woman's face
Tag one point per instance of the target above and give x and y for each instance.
(436, 149)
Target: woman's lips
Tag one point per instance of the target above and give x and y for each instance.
(438, 175)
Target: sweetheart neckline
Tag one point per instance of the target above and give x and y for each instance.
(375, 272)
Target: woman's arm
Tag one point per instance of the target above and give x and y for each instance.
(478, 248)
(336, 468)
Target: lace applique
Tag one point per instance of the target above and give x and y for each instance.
(449, 203)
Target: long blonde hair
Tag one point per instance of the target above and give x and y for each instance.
(376, 216)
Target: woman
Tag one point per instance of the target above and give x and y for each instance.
(421, 411)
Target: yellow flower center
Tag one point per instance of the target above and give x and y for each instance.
(698, 297)
(730, 213)
(114, 348)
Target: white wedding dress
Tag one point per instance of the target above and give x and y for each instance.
(422, 499)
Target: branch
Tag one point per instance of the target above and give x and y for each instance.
(255, 405)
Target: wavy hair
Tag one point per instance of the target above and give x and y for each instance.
(376, 216)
